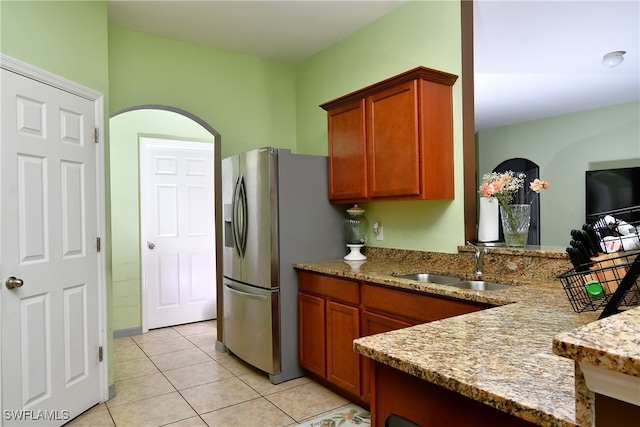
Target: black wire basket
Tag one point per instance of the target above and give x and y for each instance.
(608, 282)
(617, 230)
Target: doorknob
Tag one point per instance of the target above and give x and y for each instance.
(151, 245)
(12, 283)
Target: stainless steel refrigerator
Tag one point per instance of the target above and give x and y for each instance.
(276, 212)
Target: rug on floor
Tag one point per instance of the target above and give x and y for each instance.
(347, 416)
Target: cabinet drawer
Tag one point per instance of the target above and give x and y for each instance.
(413, 306)
(373, 323)
(329, 287)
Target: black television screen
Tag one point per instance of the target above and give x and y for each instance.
(612, 189)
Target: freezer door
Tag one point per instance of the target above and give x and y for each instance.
(251, 325)
(260, 262)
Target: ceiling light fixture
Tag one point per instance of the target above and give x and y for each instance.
(613, 59)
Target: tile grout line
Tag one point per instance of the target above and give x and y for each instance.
(237, 374)
(174, 387)
(169, 381)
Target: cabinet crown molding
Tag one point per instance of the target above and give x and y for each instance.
(424, 73)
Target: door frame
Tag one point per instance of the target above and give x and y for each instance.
(16, 66)
(180, 144)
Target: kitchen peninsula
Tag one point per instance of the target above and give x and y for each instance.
(496, 364)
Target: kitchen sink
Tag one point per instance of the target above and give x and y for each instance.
(430, 278)
(479, 285)
(474, 285)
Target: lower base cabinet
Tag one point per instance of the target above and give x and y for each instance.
(328, 322)
(332, 312)
(426, 404)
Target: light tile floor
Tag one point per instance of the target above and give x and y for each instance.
(175, 377)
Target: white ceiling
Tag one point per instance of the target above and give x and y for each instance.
(287, 31)
(536, 59)
(533, 59)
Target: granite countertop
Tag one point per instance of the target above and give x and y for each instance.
(612, 343)
(501, 356)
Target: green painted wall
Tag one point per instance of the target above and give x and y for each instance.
(423, 33)
(565, 147)
(67, 38)
(248, 100)
(126, 128)
(253, 102)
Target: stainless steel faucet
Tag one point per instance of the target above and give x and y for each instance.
(478, 258)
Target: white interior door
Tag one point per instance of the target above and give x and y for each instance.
(178, 241)
(49, 225)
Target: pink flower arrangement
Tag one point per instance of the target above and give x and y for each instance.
(515, 218)
(503, 186)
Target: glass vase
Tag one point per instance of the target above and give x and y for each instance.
(515, 224)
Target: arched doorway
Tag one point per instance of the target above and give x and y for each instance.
(126, 126)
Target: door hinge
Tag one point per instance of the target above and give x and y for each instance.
(96, 135)
(98, 244)
(100, 354)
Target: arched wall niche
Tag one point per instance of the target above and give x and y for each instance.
(532, 171)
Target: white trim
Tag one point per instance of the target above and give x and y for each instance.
(102, 255)
(45, 77)
(182, 144)
(42, 76)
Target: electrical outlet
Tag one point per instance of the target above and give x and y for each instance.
(379, 233)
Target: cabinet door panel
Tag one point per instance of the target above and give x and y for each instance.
(343, 364)
(311, 333)
(436, 128)
(394, 145)
(372, 324)
(347, 151)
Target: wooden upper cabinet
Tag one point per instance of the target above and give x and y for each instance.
(393, 140)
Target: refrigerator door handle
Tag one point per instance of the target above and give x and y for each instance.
(244, 214)
(245, 294)
(239, 210)
(234, 215)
